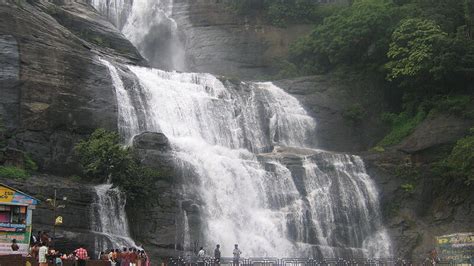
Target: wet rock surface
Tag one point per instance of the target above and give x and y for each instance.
(153, 222)
(329, 99)
(220, 42)
(414, 217)
(54, 90)
(435, 131)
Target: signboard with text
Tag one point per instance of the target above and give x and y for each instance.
(458, 248)
(22, 239)
(15, 220)
(8, 195)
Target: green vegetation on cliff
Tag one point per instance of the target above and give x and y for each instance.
(104, 159)
(283, 13)
(460, 162)
(423, 48)
(355, 35)
(13, 172)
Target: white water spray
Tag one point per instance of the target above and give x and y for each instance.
(309, 203)
(110, 220)
(150, 27)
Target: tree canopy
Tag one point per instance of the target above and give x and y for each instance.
(103, 159)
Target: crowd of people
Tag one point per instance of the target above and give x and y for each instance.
(42, 250)
(46, 255)
(126, 257)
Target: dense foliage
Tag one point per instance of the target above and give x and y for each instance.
(412, 51)
(460, 162)
(104, 160)
(355, 35)
(424, 49)
(13, 172)
(281, 13)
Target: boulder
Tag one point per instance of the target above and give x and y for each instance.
(435, 131)
(154, 150)
(151, 141)
(153, 221)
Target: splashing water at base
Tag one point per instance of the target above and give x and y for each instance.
(109, 219)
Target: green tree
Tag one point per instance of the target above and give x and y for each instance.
(412, 51)
(104, 159)
(449, 14)
(426, 59)
(460, 163)
(469, 17)
(354, 35)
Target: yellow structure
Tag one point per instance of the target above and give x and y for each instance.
(16, 209)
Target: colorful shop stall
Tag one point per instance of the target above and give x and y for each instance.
(16, 209)
(457, 248)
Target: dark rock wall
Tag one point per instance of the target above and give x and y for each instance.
(329, 98)
(415, 218)
(9, 82)
(434, 205)
(76, 215)
(54, 90)
(154, 222)
(220, 42)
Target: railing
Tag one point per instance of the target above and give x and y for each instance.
(193, 261)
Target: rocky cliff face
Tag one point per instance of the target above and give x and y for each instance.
(346, 112)
(54, 90)
(154, 221)
(429, 206)
(220, 42)
(76, 216)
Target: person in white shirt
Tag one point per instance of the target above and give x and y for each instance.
(43, 251)
(237, 254)
(201, 255)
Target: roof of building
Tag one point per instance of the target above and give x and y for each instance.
(18, 197)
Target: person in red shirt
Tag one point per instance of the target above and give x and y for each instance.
(133, 256)
(81, 254)
(125, 258)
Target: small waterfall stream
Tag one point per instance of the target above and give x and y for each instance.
(149, 25)
(109, 219)
(250, 166)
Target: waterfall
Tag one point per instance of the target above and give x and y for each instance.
(127, 114)
(186, 233)
(251, 167)
(109, 219)
(149, 25)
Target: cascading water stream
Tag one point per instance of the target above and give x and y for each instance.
(109, 219)
(149, 25)
(272, 201)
